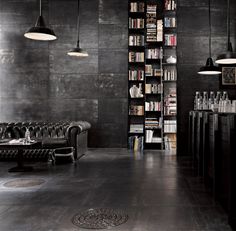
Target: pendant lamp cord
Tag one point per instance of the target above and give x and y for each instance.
(40, 8)
(228, 27)
(78, 24)
(209, 12)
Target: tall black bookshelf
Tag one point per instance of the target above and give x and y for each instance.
(152, 74)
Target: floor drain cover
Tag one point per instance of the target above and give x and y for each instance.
(102, 218)
(23, 183)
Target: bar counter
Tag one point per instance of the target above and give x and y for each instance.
(212, 144)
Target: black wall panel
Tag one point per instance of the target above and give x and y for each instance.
(38, 81)
(193, 35)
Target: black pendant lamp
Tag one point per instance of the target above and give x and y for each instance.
(209, 68)
(77, 51)
(40, 31)
(229, 57)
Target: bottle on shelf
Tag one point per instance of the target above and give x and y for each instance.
(197, 96)
(27, 135)
(205, 101)
(211, 101)
(199, 103)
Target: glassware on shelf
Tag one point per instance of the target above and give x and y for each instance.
(205, 101)
(218, 103)
(197, 96)
(211, 101)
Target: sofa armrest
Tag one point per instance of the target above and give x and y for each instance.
(74, 130)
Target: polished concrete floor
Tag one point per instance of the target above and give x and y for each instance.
(158, 192)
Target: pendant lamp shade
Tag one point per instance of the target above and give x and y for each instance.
(77, 51)
(209, 68)
(40, 31)
(229, 57)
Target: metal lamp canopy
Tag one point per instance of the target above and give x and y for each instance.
(209, 68)
(77, 51)
(229, 57)
(40, 31)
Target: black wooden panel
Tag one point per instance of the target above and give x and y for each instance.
(23, 109)
(73, 109)
(112, 85)
(61, 63)
(112, 111)
(73, 86)
(118, 36)
(113, 61)
(113, 12)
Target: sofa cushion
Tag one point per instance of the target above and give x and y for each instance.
(54, 143)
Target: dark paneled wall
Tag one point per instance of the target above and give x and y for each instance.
(38, 81)
(193, 33)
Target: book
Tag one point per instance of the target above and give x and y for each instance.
(137, 6)
(136, 110)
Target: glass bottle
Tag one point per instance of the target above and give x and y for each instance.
(211, 101)
(199, 103)
(225, 99)
(197, 96)
(205, 101)
(216, 101)
(27, 135)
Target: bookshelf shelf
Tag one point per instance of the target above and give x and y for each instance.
(152, 32)
(135, 132)
(137, 98)
(169, 64)
(137, 115)
(169, 81)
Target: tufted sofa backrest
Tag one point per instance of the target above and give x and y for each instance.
(37, 129)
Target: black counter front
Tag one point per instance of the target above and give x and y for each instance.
(212, 143)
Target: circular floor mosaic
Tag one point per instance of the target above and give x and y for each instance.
(23, 183)
(101, 218)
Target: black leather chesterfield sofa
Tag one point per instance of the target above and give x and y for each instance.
(51, 135)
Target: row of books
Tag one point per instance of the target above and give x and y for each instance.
(170, 75)
(170, 39)
(170, 22)
(136, 56)
(151, 23)
(136, 128)
(150, 70)
(135, 143)
(170, 141)
(170, 4)
(136, 74)
(153, 106)
(136, 110)
(150, 138)
(170, 126)
(170, 102)
(137, 6)
(136, 23)
(152, 8)
(159, 30)
(136, 40)
(170, 110)
(151, 123)
(154, 53)
(155, 32)
(153, 88)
